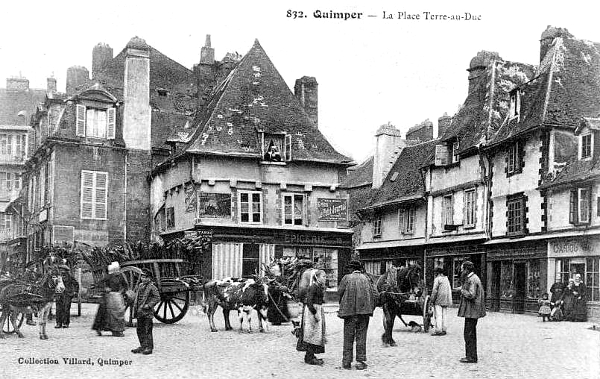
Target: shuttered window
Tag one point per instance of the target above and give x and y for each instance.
(80, 120)
(94, 191)
(580, 206)
(96, 123)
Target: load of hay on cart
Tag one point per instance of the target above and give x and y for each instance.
(175, 276)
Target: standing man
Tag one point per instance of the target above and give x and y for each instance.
(357, 302)
(64, 298)
(441, 298)
(471, 307)
(146, 298)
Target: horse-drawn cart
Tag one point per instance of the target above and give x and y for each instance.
(173, 286)
(420, 306)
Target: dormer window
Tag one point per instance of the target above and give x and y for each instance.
(586, 144)
(515, 104)
(455, 157)
(95, 123)
(276, 147)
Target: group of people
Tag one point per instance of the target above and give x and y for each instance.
(357, 301)
(111, 311)
(568, 302)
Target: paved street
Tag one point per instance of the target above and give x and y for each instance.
(510, 346)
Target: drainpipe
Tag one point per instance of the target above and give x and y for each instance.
(125, 196)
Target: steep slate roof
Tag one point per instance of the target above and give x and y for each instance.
(574, 172)
(565, 89)
(487, 103)
(404, 181)
(359, 176)
(14, 101)
(253, 98)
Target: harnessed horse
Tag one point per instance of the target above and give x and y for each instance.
(21, 297)
(395, 287)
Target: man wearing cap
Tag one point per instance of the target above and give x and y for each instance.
(146, 298)
(64, 298)
(441, 298)
(357, 301)
(472, 308)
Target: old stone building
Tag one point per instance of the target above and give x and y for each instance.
(253, 175)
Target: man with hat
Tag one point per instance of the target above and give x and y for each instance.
(441, 298)
(472, 308)
(146, 298)
(357, 301)
(64, 298)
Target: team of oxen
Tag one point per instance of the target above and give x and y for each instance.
(239, 294)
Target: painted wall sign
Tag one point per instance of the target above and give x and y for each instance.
(332, 209)
(214, 205)
(191, 200)
(570, 247)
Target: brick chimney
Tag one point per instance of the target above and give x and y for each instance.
(306, 90)
(443, 124)
(207, 53)
(77, 76)
(102, 54)
(51, 85)
(420, 133)
(17, 84)
(136, 96)
(388, 146)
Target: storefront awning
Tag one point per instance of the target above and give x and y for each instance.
(391, 244)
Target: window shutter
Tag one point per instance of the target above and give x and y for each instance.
(475, 207)
(403, 221)
(589, 210)
(100, 195)
(573, 207)
(80, 120)
(112, 121)
(288, 147)
(87, 194)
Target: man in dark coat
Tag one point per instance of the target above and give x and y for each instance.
(357, 301)
(472, 308)
(146, 298)
(64, 298)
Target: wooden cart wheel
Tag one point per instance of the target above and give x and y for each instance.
(7, 327)
(172, 306)
(133, 277)
(427, 314)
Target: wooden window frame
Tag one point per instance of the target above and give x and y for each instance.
(250, 212)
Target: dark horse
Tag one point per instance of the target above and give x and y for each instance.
(22, 297)
(395, 287)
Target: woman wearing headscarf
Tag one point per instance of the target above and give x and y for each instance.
(579, 300)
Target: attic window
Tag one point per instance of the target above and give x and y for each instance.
(276, 147)
(394, 176)
(515, 104)
(162, 92)
(455, 157)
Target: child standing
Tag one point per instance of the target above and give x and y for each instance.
(545, 309)
(312, 336)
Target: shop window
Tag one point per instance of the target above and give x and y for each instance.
(250, 207)
(470, 207)
(592, 279)
(377, 227)
(562, 271)
(533, 279)
(506, 280)
(407, 220)
(324, 258)
(456, 271)
(515, 222)
(250, 260)
(580, 206)
(293, 209)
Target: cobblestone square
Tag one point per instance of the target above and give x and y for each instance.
(510, 346)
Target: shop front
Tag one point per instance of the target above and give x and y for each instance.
(517, 275)
(450, 258)
(378, 258)
(243, 252)
(577, 255)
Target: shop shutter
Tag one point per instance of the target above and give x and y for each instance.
(112, 121)
(266, 255)
(80, 120)
(226, 260)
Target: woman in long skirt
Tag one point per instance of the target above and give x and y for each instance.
(312, 333)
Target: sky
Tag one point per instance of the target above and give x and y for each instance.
(370, 71)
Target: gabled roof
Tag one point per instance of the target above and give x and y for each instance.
(404, 181)
(255, 98)
(576, 171)
(565, 89)
(13, 102)
(487, 103)
(360, 175)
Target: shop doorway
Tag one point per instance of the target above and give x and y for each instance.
(520, 287)
(250, 259)
(495, 287)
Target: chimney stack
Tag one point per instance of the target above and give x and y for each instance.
(102, 54)
(478, 66)
(17, 84)
(443, 124)
(420, 133)
(548, 37)
(306, 90)
(389, 146)
(136, 96)
(51, 85)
